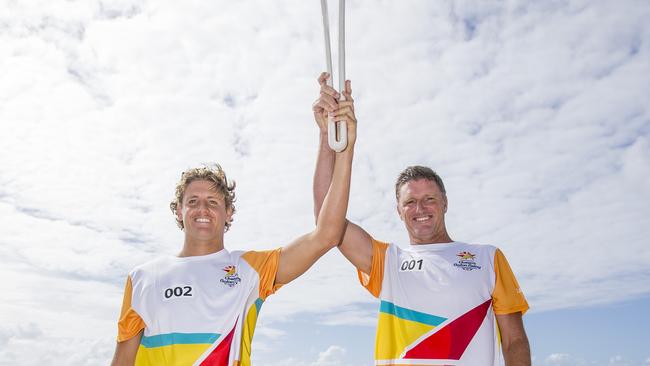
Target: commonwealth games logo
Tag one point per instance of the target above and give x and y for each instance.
(231, 278)
(466, 261)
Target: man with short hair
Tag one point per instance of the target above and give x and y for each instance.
(441, 301)
(201, 306)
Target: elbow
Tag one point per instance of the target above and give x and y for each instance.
(328, 237)
(315, 216)
(517, 352)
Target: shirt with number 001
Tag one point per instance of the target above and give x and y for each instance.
(438, 303)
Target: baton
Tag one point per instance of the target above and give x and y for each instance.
(337, 132)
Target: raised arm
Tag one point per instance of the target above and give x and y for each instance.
(356, 244)
(303, 252)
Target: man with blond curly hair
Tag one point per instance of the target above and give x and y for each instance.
(201, 306)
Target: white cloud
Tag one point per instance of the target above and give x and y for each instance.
(619, 360)
(565, 359)
(332, 356)
(562, 359)
(535, 113)
(350, 317)
(21, 331)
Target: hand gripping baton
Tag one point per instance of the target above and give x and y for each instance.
(341, 143)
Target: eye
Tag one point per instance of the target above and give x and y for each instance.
(191, 201)
(214, 203)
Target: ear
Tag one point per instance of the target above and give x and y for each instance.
(179, 212)
(399, 212)
(444, 208)
(229, 214)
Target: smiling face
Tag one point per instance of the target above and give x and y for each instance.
(203, 212)
(422, 207)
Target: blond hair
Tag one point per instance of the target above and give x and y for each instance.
(211, 173)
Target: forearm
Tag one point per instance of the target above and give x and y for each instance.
(517, 353)
(126, 351)
(330, 224)
(323, 173)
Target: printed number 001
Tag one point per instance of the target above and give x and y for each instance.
(410, 265)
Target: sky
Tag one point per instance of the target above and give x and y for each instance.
(535, 113)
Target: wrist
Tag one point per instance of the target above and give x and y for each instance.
(347, 153)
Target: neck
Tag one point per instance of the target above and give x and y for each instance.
(440, 238)
(194, 247)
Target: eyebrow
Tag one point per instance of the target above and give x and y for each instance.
(196, 196)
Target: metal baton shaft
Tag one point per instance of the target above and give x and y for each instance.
(341, 143)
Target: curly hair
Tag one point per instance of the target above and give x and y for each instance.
(211, 173)
(418, 172)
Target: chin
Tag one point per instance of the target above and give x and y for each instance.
(423, 237)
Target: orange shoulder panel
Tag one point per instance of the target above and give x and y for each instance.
(373, 281)
(130, 323)
(266, 265)
(507, 297)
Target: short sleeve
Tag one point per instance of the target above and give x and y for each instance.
(372, 282)
(507, 297)
(130, 323)
(266, 265)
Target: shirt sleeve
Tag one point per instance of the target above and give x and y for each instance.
(372, 282)
(130, 323)
(507, 297)
(266, 265)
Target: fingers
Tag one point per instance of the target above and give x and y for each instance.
(317, 107)
(344, 114)
(322, 79)
(329, 98)
(324, 103)
(347, 92)
(328, 90)
(324, 88)
(346, 103)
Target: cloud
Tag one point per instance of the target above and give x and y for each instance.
(562, 359)
(22, 331)
(619, 360)
(332, 356)
(535, 114)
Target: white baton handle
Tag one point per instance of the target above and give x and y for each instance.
(336, 129)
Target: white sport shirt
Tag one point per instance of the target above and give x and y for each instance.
(197, 310)
(438, 303)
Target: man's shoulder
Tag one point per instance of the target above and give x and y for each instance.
(256, 255)
(150, 265)
(476, 246)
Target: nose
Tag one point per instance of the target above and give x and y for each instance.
(418, 206)
(203, 205)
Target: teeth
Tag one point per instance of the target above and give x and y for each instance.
(421, 218)
(202, 220)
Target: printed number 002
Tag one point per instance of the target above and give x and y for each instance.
(178, 291)
(410, 265)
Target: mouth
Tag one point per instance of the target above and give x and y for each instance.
(423, 218)
(202, 220)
